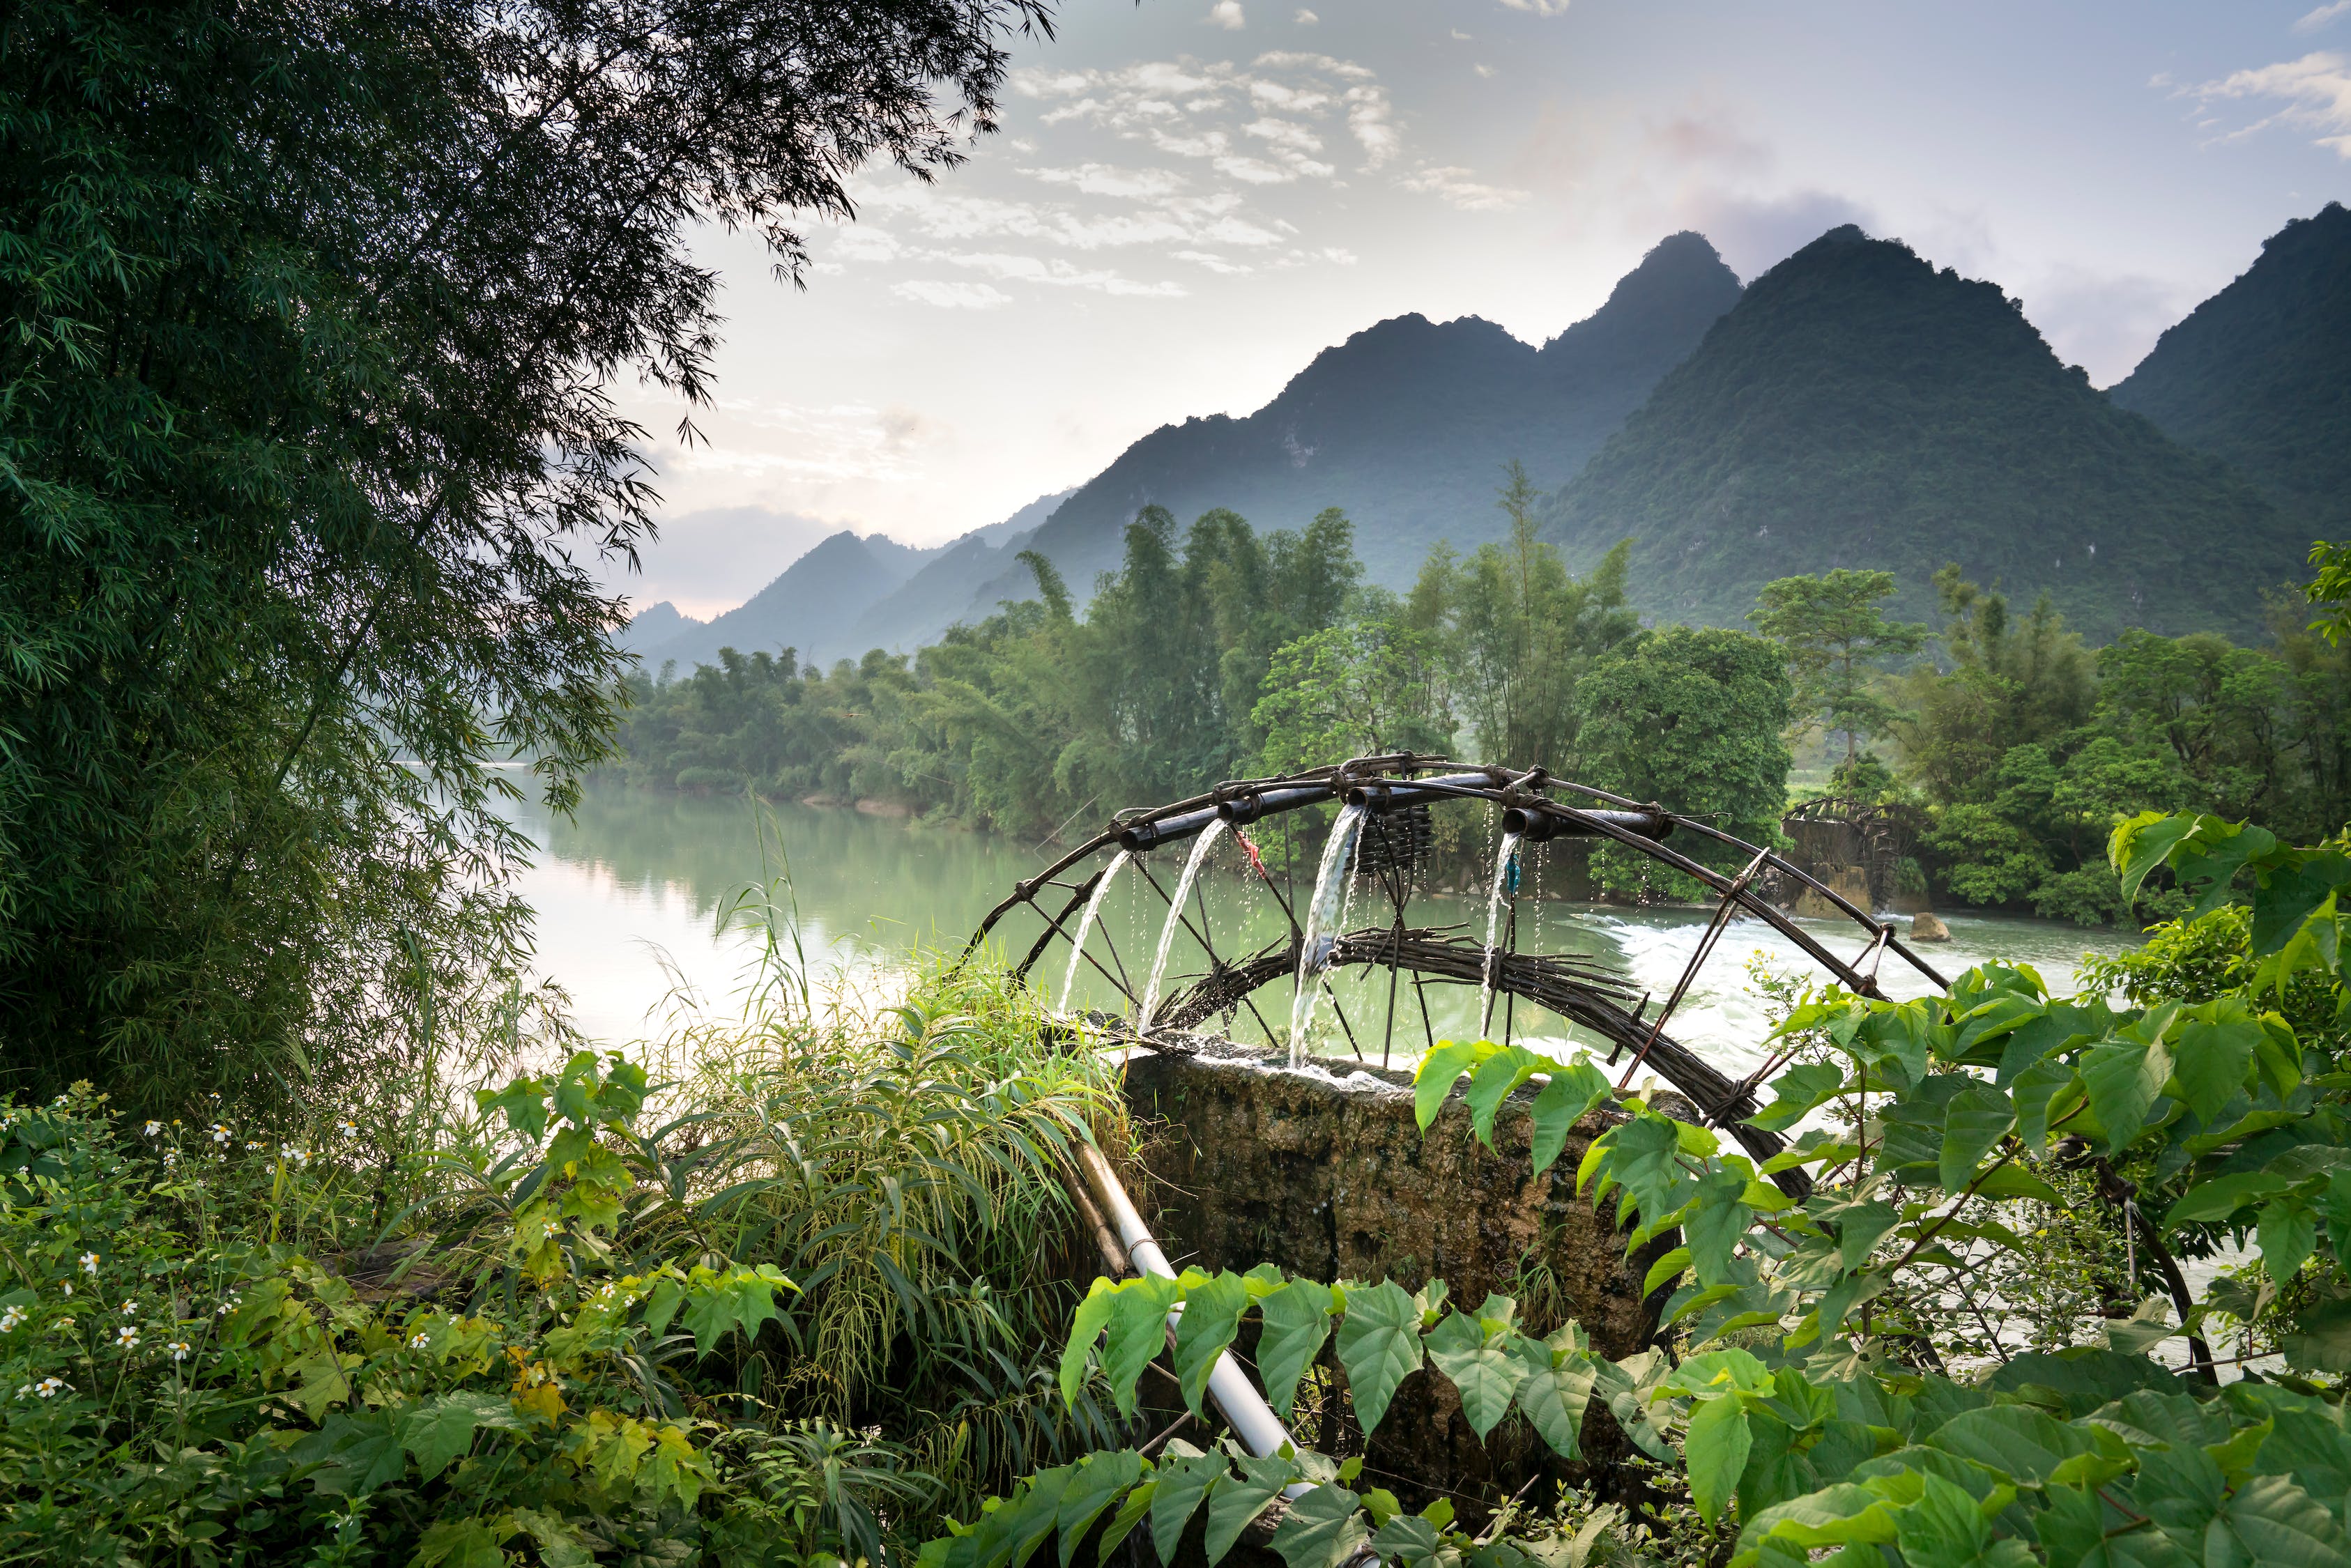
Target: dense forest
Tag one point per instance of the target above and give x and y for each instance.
(1219, 652)
(1860, 408)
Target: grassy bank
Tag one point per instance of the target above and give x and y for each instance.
(777, 1302)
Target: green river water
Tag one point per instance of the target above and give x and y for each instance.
(628, 893)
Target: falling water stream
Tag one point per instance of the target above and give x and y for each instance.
(1505, 884)
(1324, 918)
(1086, 923)
(1200, 857)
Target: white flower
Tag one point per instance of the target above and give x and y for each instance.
(351, 1128)
(153, 1128)
(47, 1388)
(89, 1264)
(228, 1305)
(12, 1317)
(419, 1341)
(179, 1349)
(126, 1338)
(221, 1135)
(128, 1308)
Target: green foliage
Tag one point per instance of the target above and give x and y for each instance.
(1811, 1410)
(1034, 716)
(313, 312)
(786, 1323)
(2029, 748)
(1836, 632)
(2252, 376)
(1694, 716)
(1860, 407)
(1514, 633)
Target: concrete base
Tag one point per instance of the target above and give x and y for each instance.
(1327, 1175)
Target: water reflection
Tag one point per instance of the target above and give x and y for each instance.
(629, 891)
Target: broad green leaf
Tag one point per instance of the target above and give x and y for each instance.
(2321, 1340)
(1097, 1481)
(1492, 1082)
(1379, 1346)
(1844, 1514)
(2012, 1180)
(1946, 1529)
(2288, 1234)
(2210, 1058)
(1480, 1367)
(2036, 1093)
(1138, 1331)
(1129, 1513)
(1237, 1499)
(1432, 1079)
(2143, 843)
(2276, 1524)
(459, 1543)
(2124, 1076)
(1182, 1482)
(1717, 1222)
(1974, 1121)
(1212, 1314)
(1555, 1391)
(1409, 1541)
(2148, 1326)
(1085, 1327)
(1796, 1092)
(363, 1453)
(442, 1432)
(2217, 1200)
(739, 1300)
(1574, 1090)
(1297, 1319)
(1672, 1266)
(559, 1545)
(1023, 1523)
(1325, 1529)
(2013, 1438)
(1716, 1445)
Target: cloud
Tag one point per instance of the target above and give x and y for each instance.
(1539, 7)
(1459, 187)
(1050, 270)
(1305, 18)
(1484, 71)
(2315, 90)
(952, 296)
(1104, 179)
(2320, 18)
(2103, 322)
(1756, 233)
(1227, 14)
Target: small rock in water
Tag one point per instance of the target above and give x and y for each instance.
(1924, 927)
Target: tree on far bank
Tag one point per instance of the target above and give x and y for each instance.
(1836, 635)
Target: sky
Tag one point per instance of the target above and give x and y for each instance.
(1187, 200)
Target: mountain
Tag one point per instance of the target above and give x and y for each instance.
(2260, 373)
(1405, 425)
(935, 598)
(809, 608)
(653, 626)
(1860, 409)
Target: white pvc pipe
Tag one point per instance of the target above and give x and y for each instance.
(1245, 1409)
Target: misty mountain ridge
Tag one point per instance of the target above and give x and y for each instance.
(1854, 406)
(1859, 408)
(1406, 427)
(2259, 374)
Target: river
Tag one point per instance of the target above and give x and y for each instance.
(629, 891)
